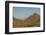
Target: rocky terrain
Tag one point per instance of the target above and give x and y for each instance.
(31, 21)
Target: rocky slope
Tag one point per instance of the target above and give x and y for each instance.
(31, 21)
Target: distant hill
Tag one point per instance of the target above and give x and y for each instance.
(17, 23)
(31, 21)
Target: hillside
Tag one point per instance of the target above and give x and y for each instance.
(17, 23)
(31, 21)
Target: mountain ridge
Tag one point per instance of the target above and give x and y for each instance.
(31, 21)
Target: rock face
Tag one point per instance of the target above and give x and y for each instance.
(31, 21)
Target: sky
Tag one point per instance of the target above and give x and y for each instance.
(24, 12)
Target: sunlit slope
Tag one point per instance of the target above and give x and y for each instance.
(17, 23)
(31, 21)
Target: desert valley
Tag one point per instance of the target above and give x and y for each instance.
(31, 21)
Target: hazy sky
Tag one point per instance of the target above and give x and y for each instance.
(24, 12)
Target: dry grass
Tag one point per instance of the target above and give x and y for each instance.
(33, 21)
